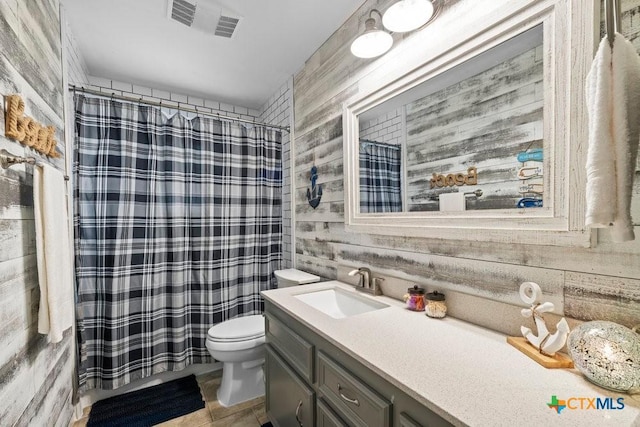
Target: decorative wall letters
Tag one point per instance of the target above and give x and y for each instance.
(26, 130)
(470, 178)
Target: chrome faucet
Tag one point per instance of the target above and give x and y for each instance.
(367, 282)
(365, 277)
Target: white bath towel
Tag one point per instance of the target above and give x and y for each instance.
(613, 104)
(53, 252)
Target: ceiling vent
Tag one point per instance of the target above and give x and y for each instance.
(182, 11)
(203, 17)
(226, 26)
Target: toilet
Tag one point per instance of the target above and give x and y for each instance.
(239, 344)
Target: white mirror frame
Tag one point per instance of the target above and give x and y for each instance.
(569, 29)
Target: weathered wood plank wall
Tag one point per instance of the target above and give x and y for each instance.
(602, 282)
(36, 377)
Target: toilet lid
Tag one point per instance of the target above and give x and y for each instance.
(238, 329)
(297, 276)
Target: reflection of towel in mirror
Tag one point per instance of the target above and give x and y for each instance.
(613, 104)
(53, 252)
(450, 202)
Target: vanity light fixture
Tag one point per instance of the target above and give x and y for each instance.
(374, 41)
(401, 17)
(407, 15)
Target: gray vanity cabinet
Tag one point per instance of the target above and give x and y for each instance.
(335, 389)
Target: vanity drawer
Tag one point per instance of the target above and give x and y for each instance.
(326, 416)
(407, 421)
(297, 350)
(353, 399)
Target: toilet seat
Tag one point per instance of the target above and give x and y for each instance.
(237, 334)
(234, 345)
(238, 329)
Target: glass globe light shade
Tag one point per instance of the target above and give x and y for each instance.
(373, 42)
(407, 15)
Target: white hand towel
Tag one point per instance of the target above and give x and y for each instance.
(53, 252)
(613, 104)
(626, 131)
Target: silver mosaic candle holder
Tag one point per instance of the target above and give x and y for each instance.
(607, 354)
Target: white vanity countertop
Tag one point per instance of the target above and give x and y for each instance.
(470, 375)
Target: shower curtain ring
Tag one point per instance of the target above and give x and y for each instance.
(112, 95)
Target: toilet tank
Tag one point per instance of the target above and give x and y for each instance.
(293, 277)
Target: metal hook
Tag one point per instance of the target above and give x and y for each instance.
(612, 19)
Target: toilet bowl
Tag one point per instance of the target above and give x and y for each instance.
(239, 344)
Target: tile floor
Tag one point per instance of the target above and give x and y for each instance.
(247, 414)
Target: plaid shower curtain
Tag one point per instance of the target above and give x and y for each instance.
(177, 227)
(380, 177)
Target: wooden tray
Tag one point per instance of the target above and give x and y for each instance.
(557, 361)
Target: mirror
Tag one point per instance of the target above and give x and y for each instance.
(470, 138)
(475, 132)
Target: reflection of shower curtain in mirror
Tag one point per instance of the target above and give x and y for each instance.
(380, 182)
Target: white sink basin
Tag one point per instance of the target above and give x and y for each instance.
(339, 303)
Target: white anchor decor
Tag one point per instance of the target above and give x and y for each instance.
(544, 346)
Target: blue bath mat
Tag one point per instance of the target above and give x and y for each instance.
(149, 406)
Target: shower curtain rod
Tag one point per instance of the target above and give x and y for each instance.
(170, 104)
(384, 144)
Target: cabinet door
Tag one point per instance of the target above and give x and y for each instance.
(290, 402)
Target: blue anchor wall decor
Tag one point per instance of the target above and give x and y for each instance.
(315, 193)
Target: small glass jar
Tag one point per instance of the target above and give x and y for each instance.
(435, 305)
(415, 298)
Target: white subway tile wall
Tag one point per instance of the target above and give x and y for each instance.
(384, 129)
(278, 110)
(157, 95)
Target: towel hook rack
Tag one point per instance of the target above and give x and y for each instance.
(476, 194)
(613, 22)
(7, 159)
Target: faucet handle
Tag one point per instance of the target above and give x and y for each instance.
(375, 282)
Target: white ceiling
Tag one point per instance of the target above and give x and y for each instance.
(134, 41)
